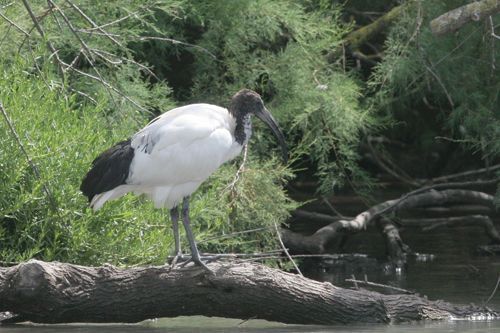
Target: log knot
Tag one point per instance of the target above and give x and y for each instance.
(30, 279)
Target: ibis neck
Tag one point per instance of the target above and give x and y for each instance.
(243, 129)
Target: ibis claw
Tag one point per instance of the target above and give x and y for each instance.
(177, 258)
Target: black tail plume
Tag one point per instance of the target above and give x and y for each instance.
(109, 170)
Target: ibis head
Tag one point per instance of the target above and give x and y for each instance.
(247, 102)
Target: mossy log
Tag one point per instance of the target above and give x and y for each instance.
(357, 37)
(52, 292)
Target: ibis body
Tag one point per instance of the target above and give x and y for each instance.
(169, 158)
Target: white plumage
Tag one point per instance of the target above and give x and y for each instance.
(177, 152)
(169, 158)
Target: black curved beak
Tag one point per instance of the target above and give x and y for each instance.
(264, 115)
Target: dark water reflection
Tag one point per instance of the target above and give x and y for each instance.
(447, 268)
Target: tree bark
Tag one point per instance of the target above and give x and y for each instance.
(319, 242)
(52, 292)
(456, 18)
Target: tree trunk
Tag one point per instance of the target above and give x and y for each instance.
(57, 293)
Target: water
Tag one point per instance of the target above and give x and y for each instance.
(216, 325)
(447, 268)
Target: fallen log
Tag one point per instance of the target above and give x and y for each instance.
(52, 292)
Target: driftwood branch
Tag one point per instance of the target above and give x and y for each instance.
(456, 18)
(325, 236)
(56, 292)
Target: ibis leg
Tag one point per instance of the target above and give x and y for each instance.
(174, 216)
(194, 249)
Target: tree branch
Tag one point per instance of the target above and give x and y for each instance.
(318, 242)
(42, 34)
(471, 220)
(456, 18)
(361, 35)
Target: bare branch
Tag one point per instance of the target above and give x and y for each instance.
(84, 95)
(335, 211)
(493, 34)
(400, 176)
(318, 242)
(118, 20)
(72, 29)
(396, 203)
(286, 250)
(239, 172)
(440, 82)
(7, 5)
(94, 25)
(232, 234)
(429, 224)
(41, 32)
(175, 41)
(14, 24)
(108, 85)
(456, 18)
(493, 292)
(103, 54)
(465, 174)
(378, 285)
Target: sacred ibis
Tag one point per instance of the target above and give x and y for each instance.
(169, 158)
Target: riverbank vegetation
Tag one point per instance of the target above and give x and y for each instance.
(363, 90)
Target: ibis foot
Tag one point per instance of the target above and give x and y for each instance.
(203, 265)
(201, 261)
(177, 258)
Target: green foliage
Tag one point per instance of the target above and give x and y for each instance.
(233, 205)
(61, 140)
(196, 51)
(446, 85)
(41, 211)
(277, 48)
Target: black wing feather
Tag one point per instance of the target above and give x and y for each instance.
(109, 170)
